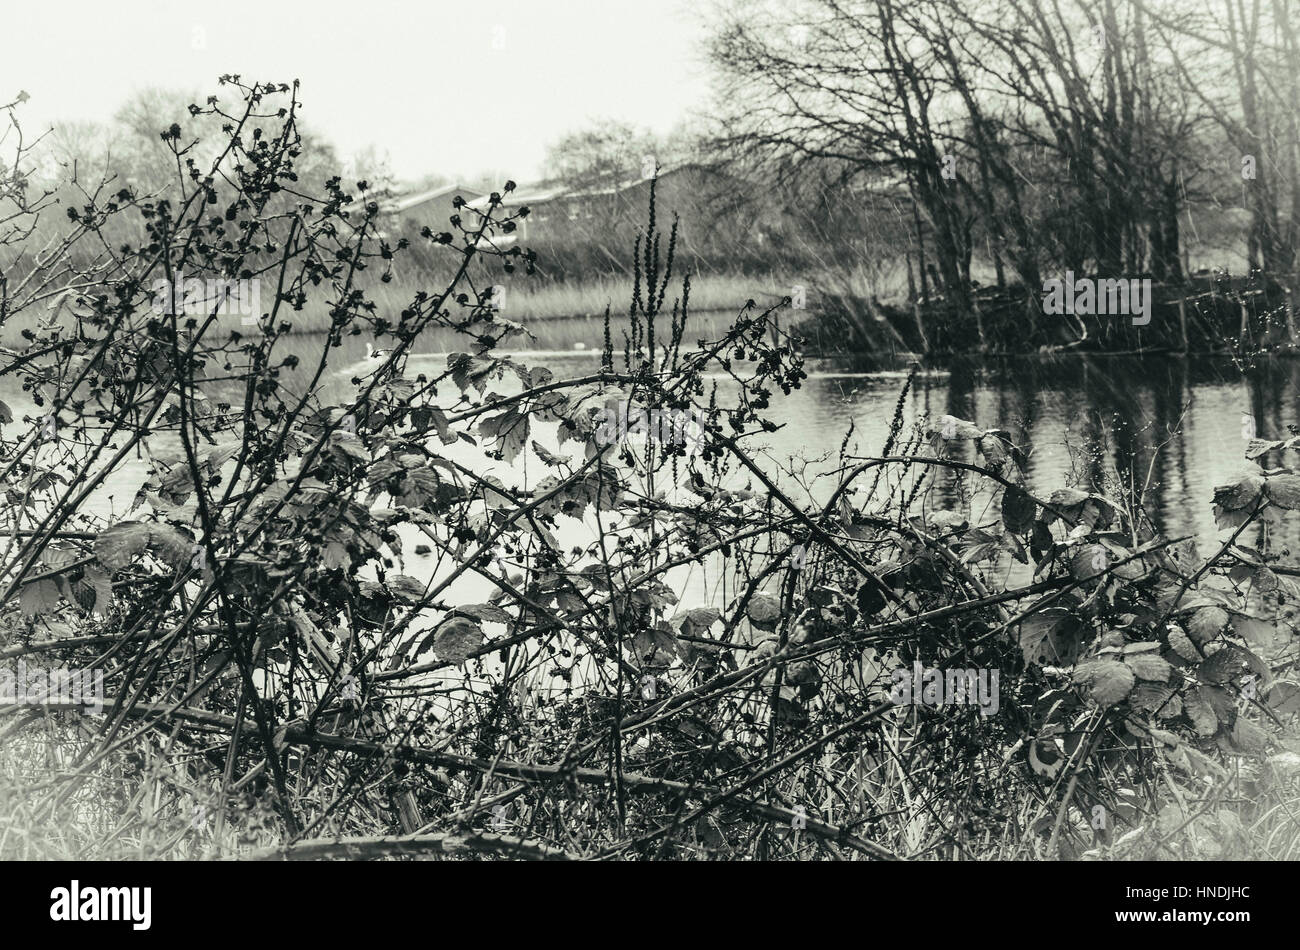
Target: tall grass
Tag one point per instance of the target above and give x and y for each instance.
(523, 299)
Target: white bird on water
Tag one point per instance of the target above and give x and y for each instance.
(368, 363)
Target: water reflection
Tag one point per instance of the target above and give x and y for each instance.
(1171, 427)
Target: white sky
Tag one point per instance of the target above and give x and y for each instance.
(418, 78)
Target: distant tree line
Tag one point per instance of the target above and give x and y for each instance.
(1043, 133)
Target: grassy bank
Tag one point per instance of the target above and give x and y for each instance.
(522, 299)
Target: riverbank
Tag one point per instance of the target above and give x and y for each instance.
(1206, 315)
(520, 298)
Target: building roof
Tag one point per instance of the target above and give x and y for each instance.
(528, 195)
(549, 190)
(407, 202)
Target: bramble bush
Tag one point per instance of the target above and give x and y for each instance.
(613, 647)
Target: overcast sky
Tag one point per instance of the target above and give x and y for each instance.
(450, 87)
